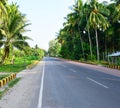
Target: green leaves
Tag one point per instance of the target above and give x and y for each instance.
(94, 23)
(116, 14)
(13, 25)
(54, 48)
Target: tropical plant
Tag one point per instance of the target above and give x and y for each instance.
(91, 30)
(54, 48)
(98, 20)
(11, 30)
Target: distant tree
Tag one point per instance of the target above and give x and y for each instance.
(54, 48)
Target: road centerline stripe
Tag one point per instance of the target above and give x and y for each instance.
(41, 87)
(72, 70)
(64, 66)
(97, 82)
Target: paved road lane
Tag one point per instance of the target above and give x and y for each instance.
(67, 85)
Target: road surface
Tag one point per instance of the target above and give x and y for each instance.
(71, 85)
(56, 83)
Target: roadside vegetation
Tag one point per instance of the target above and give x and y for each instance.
(21, 61)
(13, 82)
(15, 51)
(91, 32)
(3, 76)
(3, 92)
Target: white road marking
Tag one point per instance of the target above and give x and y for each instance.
(72, 70)
(41, 88)
(97, 82)
(64, 66)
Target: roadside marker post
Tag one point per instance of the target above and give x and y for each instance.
(1, 83)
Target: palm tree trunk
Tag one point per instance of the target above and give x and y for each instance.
(91, 53)
(90, 44)
(13, 57)
(6, 52)
(98, 55)
(3, 59)
(82, 45)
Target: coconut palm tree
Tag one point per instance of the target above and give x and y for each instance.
(76, 21)
(97, 20)
(12, 29)
(86, 13)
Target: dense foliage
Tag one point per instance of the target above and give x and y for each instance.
(12, 41)
(54, 48)
(91, 31)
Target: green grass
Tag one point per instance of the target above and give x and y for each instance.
(3, 76)
(3, 92)
(13, 82)
(20, 64)
(11, 68)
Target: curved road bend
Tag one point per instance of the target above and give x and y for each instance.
(67, 85)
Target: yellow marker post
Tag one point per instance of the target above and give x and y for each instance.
(4, 81)
(7, 79)
(1, 83)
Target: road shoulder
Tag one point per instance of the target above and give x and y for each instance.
(24, 93)
(106, 70)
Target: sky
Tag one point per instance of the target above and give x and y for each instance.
(46, 18)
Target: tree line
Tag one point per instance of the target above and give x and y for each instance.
(91, 31)
(13, 24)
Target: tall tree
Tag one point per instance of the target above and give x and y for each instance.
(86, 13)
(54, 48)
(75, 19)
(12, 28)
(98, 20)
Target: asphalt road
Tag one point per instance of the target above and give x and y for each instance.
(69, 85)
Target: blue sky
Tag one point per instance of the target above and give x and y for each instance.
(46, 16)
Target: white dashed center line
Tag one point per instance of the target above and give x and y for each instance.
(64, 66)
(97, 82)
(72, 70)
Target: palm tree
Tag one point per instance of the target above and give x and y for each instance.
(84, 20)
(98, 20)
(12, 29)
(76, 19)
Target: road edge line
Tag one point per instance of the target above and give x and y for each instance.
(41, 87)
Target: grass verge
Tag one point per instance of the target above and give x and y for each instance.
(3, 76)
(3, 92)
(13, 82)
(20, 64)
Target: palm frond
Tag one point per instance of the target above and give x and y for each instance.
(18, 30)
